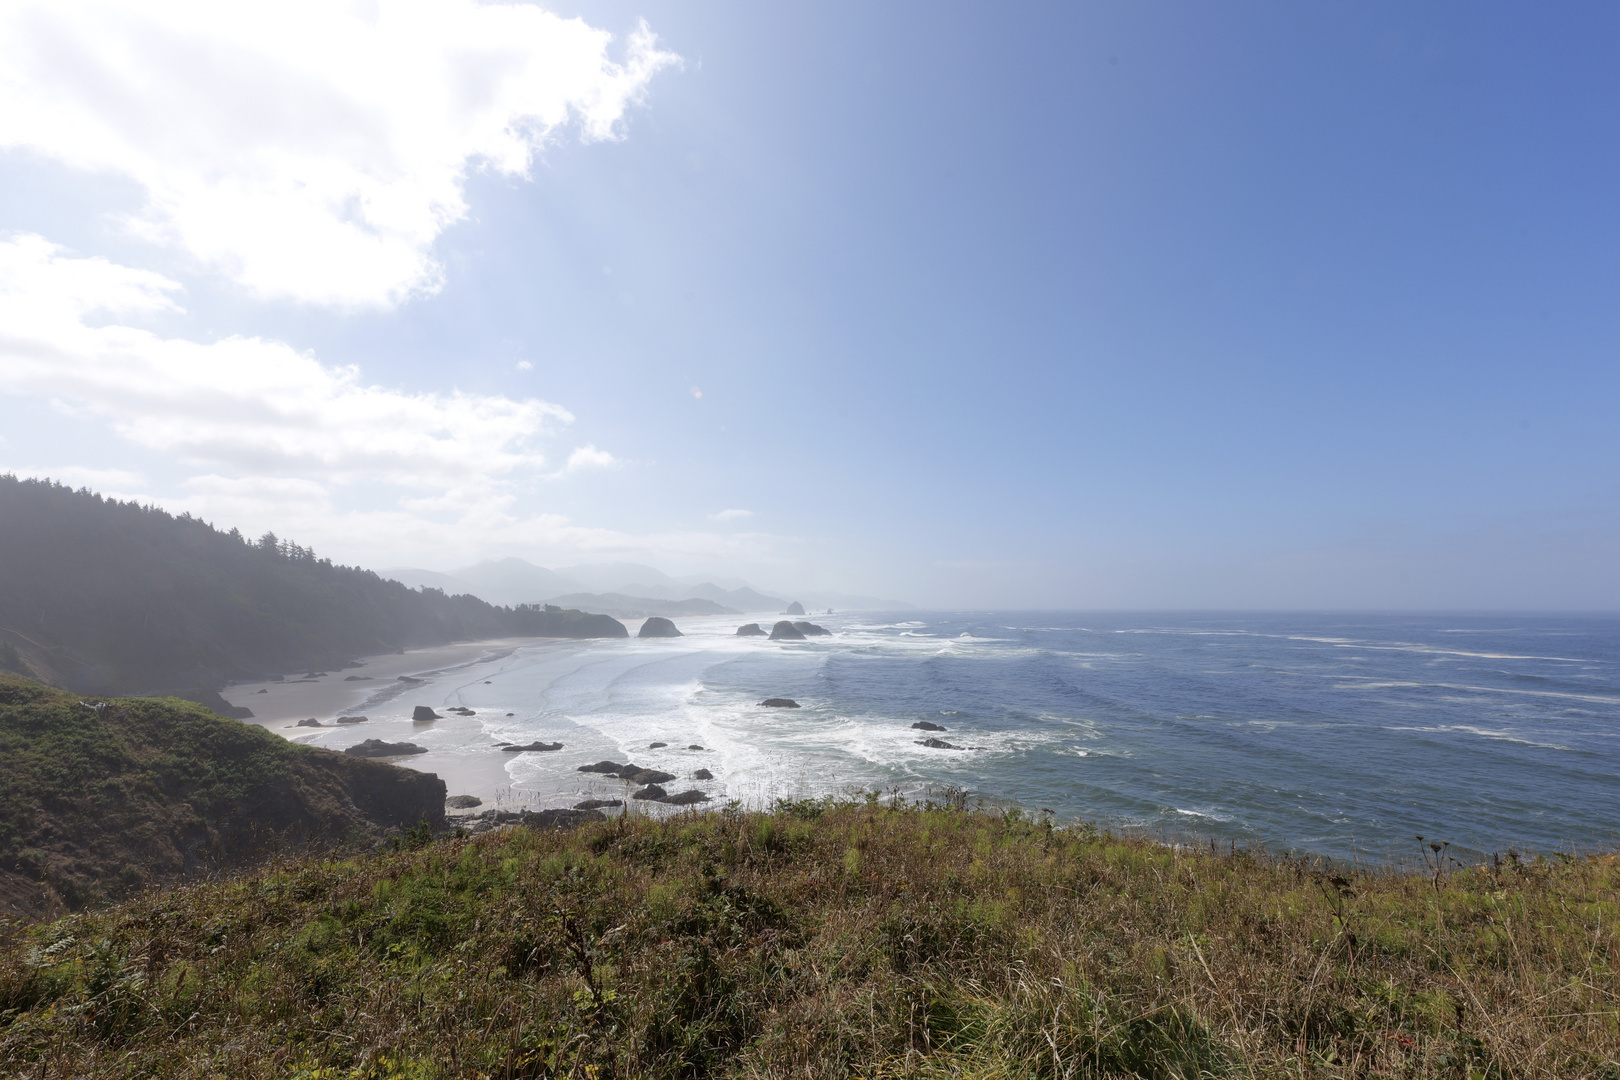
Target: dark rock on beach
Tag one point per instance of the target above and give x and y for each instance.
(537, 747)
(422, 714)
(656, 745)
(658, 626)
(651, 791)
(597, 804)
(610, 767)
(703, 774)
(311, 722)
(750, 630)
(694, 746)
(463, 802)
(786, 631)
(810, 629)
(685, 798)
(352, 720)
(378, 748)
(780, 703)
(927, 725)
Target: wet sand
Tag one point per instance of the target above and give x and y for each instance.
(378, 692)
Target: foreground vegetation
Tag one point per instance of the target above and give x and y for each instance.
(827, 940)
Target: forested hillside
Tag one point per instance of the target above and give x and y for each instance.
(113, 597)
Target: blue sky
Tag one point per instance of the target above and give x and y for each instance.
(1106, 305)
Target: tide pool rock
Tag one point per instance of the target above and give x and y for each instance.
(780, 703)
(658, 626)
(750, 630)
(786, 631)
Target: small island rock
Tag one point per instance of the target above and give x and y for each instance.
(463, 802)
(422, 714)
(353, 720)
(611, 767)
(780, 703)
(685, 798)
(311, 722)
(750, 630)
(794, 608)
(940, 744)
(651, 791)
(656, 745)
(928, 725)
(810, 629)
(378, 748)
(703, 774)
(786, 631)
(658, 626)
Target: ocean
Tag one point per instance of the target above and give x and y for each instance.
(1338, 735)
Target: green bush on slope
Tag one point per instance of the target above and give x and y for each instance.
(823, 940)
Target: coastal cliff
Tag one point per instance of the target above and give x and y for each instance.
(102, 798)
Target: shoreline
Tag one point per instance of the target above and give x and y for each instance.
(279, 705)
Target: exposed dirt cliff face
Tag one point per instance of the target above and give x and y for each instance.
(99, 798)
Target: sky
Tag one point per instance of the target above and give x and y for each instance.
(1031, 305)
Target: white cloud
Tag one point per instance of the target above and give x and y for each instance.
(732, 515)
(258, 406)
(589, 457)
(308, 149)
(524, 365)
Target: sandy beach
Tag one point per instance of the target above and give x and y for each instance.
(375, 689)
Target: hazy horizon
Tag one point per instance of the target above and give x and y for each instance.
(1114, 308)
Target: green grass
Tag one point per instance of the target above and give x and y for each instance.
(827, 940)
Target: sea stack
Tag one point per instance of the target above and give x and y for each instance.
(750, 630)
(422, 714)
(786, 631)
(658, 626)
(794, 608)
(810, 629)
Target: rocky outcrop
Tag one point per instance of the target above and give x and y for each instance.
(535, 747)
(597, 804)
(694, 746)
(703, 774)
(461, 710)
(810, 629)
(939, 744)
(685, 798)
(534, 819)
(750, 630)
(311, 722)
(649, 776)
(794, 608)
(928, 725)
(357, 678)
(786, 631)
(463, 802)
(610, 767)
(658, 626)
(422, 715)
(377, 748)
(780, 703)
(652, 792)
(656, 745)
(352, 720)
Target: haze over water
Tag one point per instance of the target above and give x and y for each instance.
(1339, 735)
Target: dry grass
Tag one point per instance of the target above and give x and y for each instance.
(821, 940)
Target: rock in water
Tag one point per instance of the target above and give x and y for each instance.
(658, 626)
(538, 747)
(794, 608)
(651, 791)
(810, 629)
(694, 746)
(353, 720)
(927, 725)
(780, 703)
(650, 776)
(786, 631)
(357, 678)
(610, 767)
(940, 744)
(261, 691)
(422, 715)
(750, 630)
(597, 804)
(703, 774)
(685, 798)
(378, 748)
(311, 722)
(656, 745)
(463, 802)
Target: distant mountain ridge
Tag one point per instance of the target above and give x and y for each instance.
(623, 606)
(516, 581)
